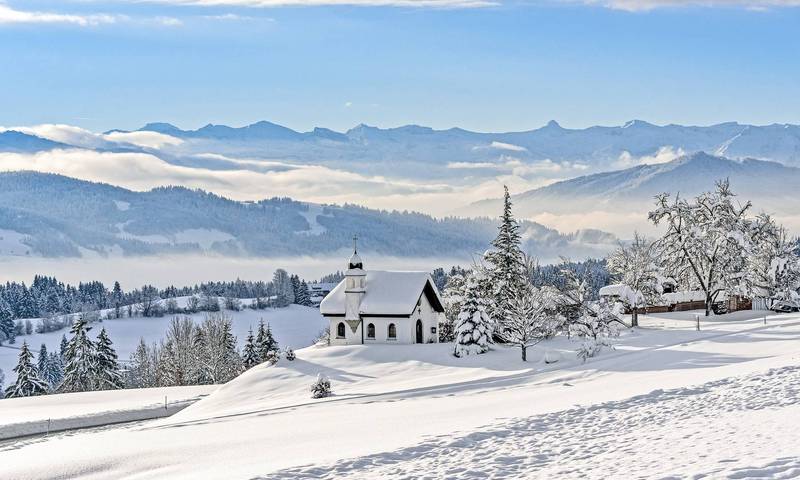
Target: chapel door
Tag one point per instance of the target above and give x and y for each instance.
(419, 331)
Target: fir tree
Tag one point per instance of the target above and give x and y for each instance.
(505, 262)
(54, 370)
(116, 299)
(302, 297)
(321, 388)
(290, 355)
(6, 321)
(79, 360)
(41, 362)
(472, 328)
(107, 374)
(265, 342)
(62, 348)
(250, 356)
(28, 382)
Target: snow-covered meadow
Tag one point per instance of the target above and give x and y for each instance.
(294, 326)
(669, 401)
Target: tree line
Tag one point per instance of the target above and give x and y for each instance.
(44, 306)
(189, 354)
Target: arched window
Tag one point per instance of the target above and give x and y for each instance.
(392, 331)
(340, 330)
(371, 330)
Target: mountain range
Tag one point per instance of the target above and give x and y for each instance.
(771, 186)
(593, 177)
(446, 153)
(779, 142)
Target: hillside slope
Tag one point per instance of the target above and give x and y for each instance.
(642, 410)
(61, 216)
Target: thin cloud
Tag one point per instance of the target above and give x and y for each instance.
(664, 154)
(520, 168)
(444, 4)
(9, 15)
(495, 145)
(233, 17)
(648, 5)
(168, 21)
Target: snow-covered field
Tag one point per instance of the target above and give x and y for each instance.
(36, 415)
(294, 326)
(723, 402)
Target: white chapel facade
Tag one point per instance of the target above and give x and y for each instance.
(372, 306)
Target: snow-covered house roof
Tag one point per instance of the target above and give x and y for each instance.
(614, 290)
(386, 293)
(684, 296)
(623, 292)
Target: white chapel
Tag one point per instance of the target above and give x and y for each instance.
(372, 306)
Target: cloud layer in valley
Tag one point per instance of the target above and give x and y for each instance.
(81, 137)
(255, 179)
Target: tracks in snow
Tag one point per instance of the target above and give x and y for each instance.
(665, 433)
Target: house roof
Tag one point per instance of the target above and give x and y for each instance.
(387, 293)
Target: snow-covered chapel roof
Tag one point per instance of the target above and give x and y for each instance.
(386, 293)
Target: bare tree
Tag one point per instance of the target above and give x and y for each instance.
(705, 239)
(530, 314)
(637, 266)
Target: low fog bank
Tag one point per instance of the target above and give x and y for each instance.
(188, 270)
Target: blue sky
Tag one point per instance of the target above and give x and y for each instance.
(103, 64)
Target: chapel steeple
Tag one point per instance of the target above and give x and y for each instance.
(355, 260)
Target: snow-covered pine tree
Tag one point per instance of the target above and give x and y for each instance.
(2, 382)
(79, 360)
(107, 374)
(54, 370)
(41, 360)
(250, 357)
(321, 388)
(62, 348)
(116, 299)
(6, 321)
(504, 262)
(302, 297)
(452, 296)
(473, 327)
(290, 355)
(28, 382)
(295, 281)
(265, 342)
